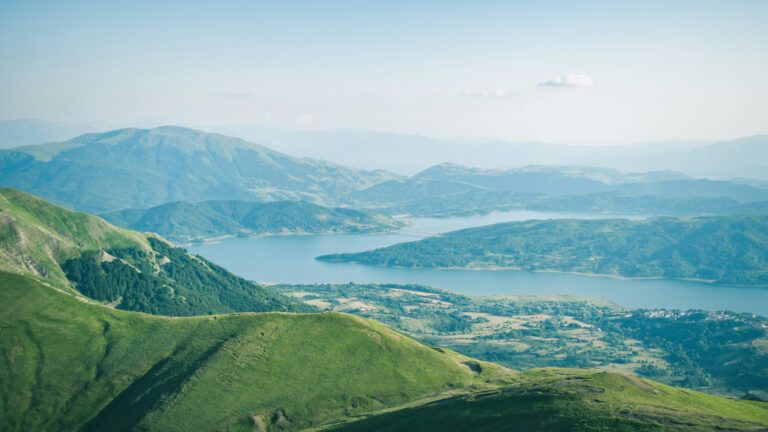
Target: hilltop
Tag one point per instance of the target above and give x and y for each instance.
(70, 365)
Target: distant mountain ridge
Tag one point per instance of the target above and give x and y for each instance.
(130, 168)
(376, 149)
(450, 189)
(745, 156)
(182, 221)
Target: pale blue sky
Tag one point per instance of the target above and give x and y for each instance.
(620, 71)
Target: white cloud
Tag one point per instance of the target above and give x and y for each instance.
(307, 120)
(488, 93)
(569, 80)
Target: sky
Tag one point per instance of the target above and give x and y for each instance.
(573, 72)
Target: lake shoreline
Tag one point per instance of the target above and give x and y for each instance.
(710, 282)
(217, 239)
(290, 259)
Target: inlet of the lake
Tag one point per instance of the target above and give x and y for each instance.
(291, 259)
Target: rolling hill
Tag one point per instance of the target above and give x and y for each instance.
(70, 365)
(731, 249)
(133, 271)
(139, 168)
(184, 222)
(569, 400)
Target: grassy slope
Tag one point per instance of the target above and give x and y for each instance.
(67, 365)
(41, 239)
(35, 236)
(572, 400)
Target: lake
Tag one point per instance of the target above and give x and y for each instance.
(290, 259)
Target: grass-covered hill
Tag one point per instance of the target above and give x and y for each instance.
(554, 400)
(68, 364)
(36, 236)
(731, 249)
(130, 270)
(184, 222)
(139, 168)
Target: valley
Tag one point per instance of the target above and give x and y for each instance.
(274, 259)
(65, 275)
(71, 361)
(524, 332)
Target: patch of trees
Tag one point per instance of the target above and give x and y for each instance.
(169, 281)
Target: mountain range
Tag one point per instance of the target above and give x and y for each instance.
(142, 168)
(740, 157)
(410, 153)
(450, 189)
(137, 168)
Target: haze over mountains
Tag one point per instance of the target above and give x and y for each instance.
(448, 189)
(130, 168)
(140, 168)
(408, 154)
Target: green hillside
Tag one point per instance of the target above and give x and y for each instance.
(731, 249)
(69, 365)
(124, 268)
(553, 400)
(36, 236)
(184, 222)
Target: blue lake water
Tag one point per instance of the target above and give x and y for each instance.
(290, 259)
